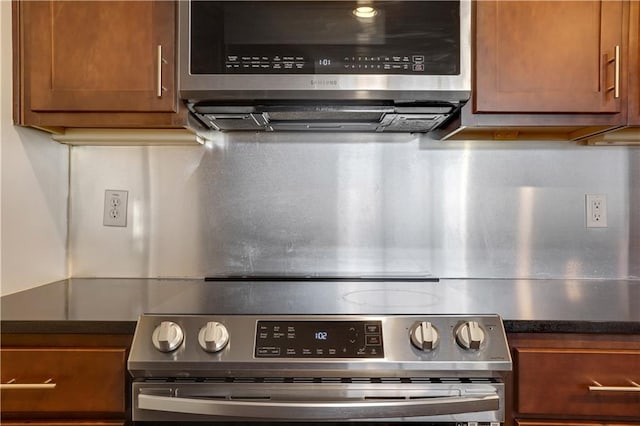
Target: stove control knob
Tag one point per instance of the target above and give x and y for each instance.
(213, 337)
(470, 335)
(424, 336)
(167, 337)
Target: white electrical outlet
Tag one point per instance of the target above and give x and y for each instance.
(596, 210)
(115, 208)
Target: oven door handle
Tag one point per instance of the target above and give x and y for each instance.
(307, 410)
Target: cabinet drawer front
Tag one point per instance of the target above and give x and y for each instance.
(63, 423)
(568, 423)
(557, 381)
(86, 380)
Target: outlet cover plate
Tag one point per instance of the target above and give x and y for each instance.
(596, 210)
(115, 208)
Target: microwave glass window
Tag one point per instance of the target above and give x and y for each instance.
(313, 24)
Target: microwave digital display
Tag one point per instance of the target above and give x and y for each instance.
(324, 37)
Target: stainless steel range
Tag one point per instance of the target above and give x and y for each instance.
(319, 368)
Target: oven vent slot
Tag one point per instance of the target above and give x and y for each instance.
(333, 380)
(385, 398)
(248, 380)
(249, 398)
(203, 397)
(215, 380)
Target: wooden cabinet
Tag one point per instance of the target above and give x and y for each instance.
(547, 70)
(575, 379)
(630, 134)
(634, 64)
(587, 382)
(549, 56)
(64, 379)
(64, 423)
(569, 423)
(95, 64)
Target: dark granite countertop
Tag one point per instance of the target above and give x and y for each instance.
(112, 306)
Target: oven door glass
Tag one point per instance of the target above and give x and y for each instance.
(324, 37)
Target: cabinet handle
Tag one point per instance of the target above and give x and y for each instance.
(11, 384)
(161, 61)
(597, 387)
(616, 77)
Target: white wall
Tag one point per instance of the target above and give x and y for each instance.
(34, 191)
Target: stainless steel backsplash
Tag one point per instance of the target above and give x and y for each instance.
(356, 205)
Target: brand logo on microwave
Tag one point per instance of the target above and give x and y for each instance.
(324, 83)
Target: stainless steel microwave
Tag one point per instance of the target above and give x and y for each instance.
(333, 56)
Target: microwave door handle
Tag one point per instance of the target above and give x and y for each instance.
(296, 410)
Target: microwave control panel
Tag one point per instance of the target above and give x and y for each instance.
(299, 64)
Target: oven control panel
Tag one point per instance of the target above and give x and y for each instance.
(324, 339)
(210, 345)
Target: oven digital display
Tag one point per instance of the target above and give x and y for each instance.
(319, 339)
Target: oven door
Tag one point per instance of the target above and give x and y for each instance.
(319, 400)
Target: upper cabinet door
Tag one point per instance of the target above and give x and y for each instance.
(549, 56)
(100, 55)
(634, 64)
